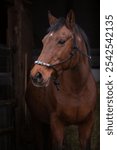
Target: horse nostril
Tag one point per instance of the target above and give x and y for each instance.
(38, 78)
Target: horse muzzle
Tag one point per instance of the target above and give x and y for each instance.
(39, 81)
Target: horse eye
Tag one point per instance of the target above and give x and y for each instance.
(61, 41)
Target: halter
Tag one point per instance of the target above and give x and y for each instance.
(75, 49)
(73, 52)
(38, 62)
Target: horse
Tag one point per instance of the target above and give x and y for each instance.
(62, 90)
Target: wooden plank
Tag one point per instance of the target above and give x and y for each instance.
(7, 131)
(7, 103)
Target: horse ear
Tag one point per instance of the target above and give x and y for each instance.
(70, 19)
(51, 18)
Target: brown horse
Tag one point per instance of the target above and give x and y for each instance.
(62, 90)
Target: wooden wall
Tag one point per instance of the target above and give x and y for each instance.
(19, 37)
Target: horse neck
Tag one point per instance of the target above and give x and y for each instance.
(76, 77)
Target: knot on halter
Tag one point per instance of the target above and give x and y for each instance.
(57, 83)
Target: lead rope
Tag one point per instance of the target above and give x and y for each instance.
(56, 80)
(57, 84)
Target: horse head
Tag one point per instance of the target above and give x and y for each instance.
(59, 49)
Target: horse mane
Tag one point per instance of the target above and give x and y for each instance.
(80, 31)
(61, 22)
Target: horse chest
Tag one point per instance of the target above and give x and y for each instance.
(73, 109)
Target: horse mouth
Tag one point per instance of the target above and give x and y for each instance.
(41, 84)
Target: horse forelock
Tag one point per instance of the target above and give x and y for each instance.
(60, 23)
